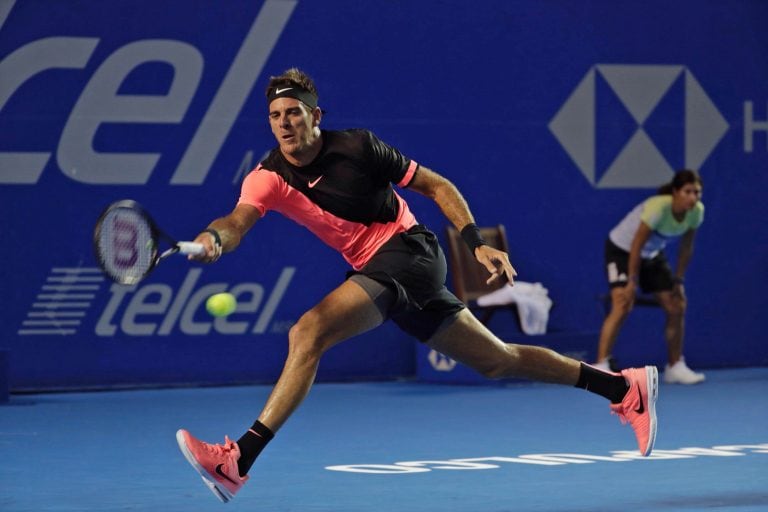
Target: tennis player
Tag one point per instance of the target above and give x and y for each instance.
(338, 184)
(634, 256)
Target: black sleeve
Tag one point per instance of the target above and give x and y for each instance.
(387, 163)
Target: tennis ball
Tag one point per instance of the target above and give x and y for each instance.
(221, 304)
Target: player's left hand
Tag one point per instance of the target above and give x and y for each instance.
(497, 263)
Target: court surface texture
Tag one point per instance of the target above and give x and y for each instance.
(394, 447)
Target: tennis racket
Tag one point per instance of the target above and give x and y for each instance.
(127, 243)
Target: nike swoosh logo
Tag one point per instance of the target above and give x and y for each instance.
(641, 409)
(278, 91)
(313, 183)
(221, 473)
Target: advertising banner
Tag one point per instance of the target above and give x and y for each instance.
(553, 118)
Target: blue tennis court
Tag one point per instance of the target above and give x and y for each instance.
(393, 446)
(553, 119)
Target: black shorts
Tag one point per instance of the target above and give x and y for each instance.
(412, 265)
(655, 273)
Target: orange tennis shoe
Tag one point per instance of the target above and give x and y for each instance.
(216, 463)
(638, 408)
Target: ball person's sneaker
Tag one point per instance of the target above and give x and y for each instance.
(216, 463)
(679, 373)
(638, 407)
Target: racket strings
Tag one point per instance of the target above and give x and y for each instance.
(126, 245)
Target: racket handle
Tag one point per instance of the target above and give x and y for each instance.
(190, 248)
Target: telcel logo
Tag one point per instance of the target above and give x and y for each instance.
(154, 309)
(101, 102)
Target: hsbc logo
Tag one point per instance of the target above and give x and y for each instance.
(632, 126)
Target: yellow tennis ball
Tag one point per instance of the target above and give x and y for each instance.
(221, 304)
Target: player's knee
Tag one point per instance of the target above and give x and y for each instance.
(493, 372)
(621, 309)
(502, 366)
(677, 307)
(304, 338)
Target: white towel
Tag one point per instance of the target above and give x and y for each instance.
(532, 300)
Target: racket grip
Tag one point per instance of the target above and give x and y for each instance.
(190, 248)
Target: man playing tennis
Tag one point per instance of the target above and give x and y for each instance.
(339, 185)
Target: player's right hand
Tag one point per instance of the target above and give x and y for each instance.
(212, 249)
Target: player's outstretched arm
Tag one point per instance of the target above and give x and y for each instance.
(453, 205)
(225, 233)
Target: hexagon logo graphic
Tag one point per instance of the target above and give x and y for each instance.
(632, 126)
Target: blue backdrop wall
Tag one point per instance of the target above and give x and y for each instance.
(554, 118)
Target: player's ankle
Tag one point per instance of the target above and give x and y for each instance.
(251, 444)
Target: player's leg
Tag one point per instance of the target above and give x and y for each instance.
(674, 308)
(345, 312)
(632, 393)
(616, 270)
(656, 277)
(676, 371)
(621, 306)
(342, 314)
(467, 340)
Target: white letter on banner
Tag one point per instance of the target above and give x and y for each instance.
(100, 103)
(105, 327)
(274, 299)
(185, 290)
(187, 322)
(751, 126)
(249, 297)
(20, 66)
(140, 306)
(234, 90)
